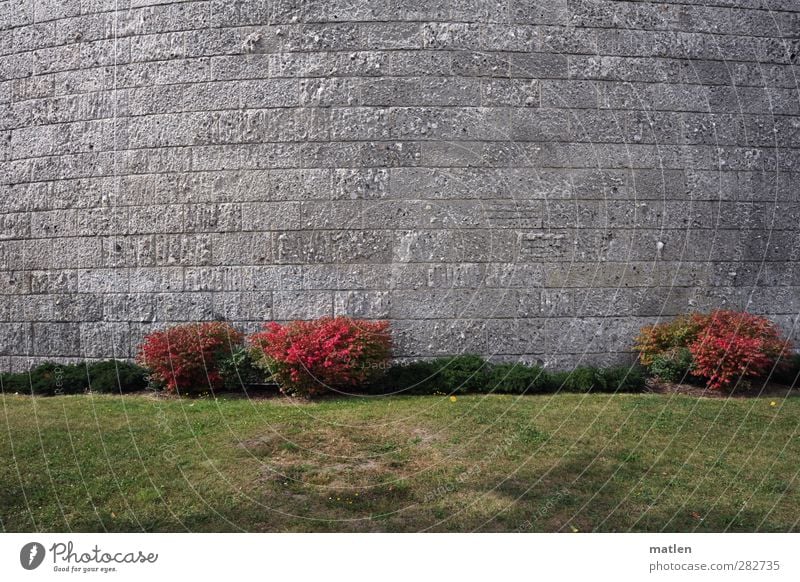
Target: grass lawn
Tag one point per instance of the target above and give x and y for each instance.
(562, 462)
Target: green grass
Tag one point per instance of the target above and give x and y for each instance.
(483, 463)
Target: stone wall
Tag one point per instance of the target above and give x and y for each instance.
(518, 178)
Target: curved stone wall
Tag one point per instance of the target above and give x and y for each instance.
(518, 178)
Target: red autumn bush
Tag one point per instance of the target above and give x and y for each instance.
(737, 345)
(719, 348)
(309, 357)
(186, 358)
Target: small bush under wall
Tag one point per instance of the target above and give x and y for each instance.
(309, 358)
(461, 374)
(787, 371)
(672, 365)
(239, 371)
(472, 374)
(50, 379)
(186, 358)
(419, 377)
(517, 379)
(116, 377)
(720, 348)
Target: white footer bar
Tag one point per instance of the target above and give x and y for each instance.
(381, 557)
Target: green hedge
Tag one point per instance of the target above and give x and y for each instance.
(787, 372)
(49, 379)
(453, 375)
(473, 374)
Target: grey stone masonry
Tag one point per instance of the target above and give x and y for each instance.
(525, 179)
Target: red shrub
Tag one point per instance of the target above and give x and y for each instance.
(186, 357)
(307, 357)
(736, 345)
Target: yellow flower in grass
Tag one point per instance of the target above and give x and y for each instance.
(453, 399)
(773, 403)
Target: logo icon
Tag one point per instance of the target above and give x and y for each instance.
(31, 555)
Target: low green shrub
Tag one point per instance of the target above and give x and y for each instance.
(619, 379)
(419, 377)
(517, 379)
(588, 379)
(787, 371)
(239, 371)
(14, 382)
(580, 379)
(673, 365)
(48, 379)
(459, 374)
(116, 377)
(472, 374)
(555, 381)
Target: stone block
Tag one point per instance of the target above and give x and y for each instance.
(362, 304)
(289, 305)
(56, 339)
(16, 338)
(241, 248)
(186, 306)
(245, 305)
(106, 340)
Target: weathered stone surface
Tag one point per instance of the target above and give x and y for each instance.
(524, 179)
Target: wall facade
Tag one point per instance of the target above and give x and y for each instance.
(522, 179)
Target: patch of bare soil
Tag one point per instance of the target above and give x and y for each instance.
(741, 390)
(343, 458)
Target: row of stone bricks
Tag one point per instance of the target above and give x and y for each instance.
(395, 154)
(279, 110)
(507, 336)
(496, 185)
(386, 246)
(413, 338)
(545, 275)
(37, 46)
(427, 303)
(519, 214)
(143, 16)
(323, 37)
(200, 83)
(352, 124)
(324, 97)
(84, 37)
(578, 61)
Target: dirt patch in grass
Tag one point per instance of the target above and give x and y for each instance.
(338, 473)
(398, 476)
(344, 458)
(742, 390)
